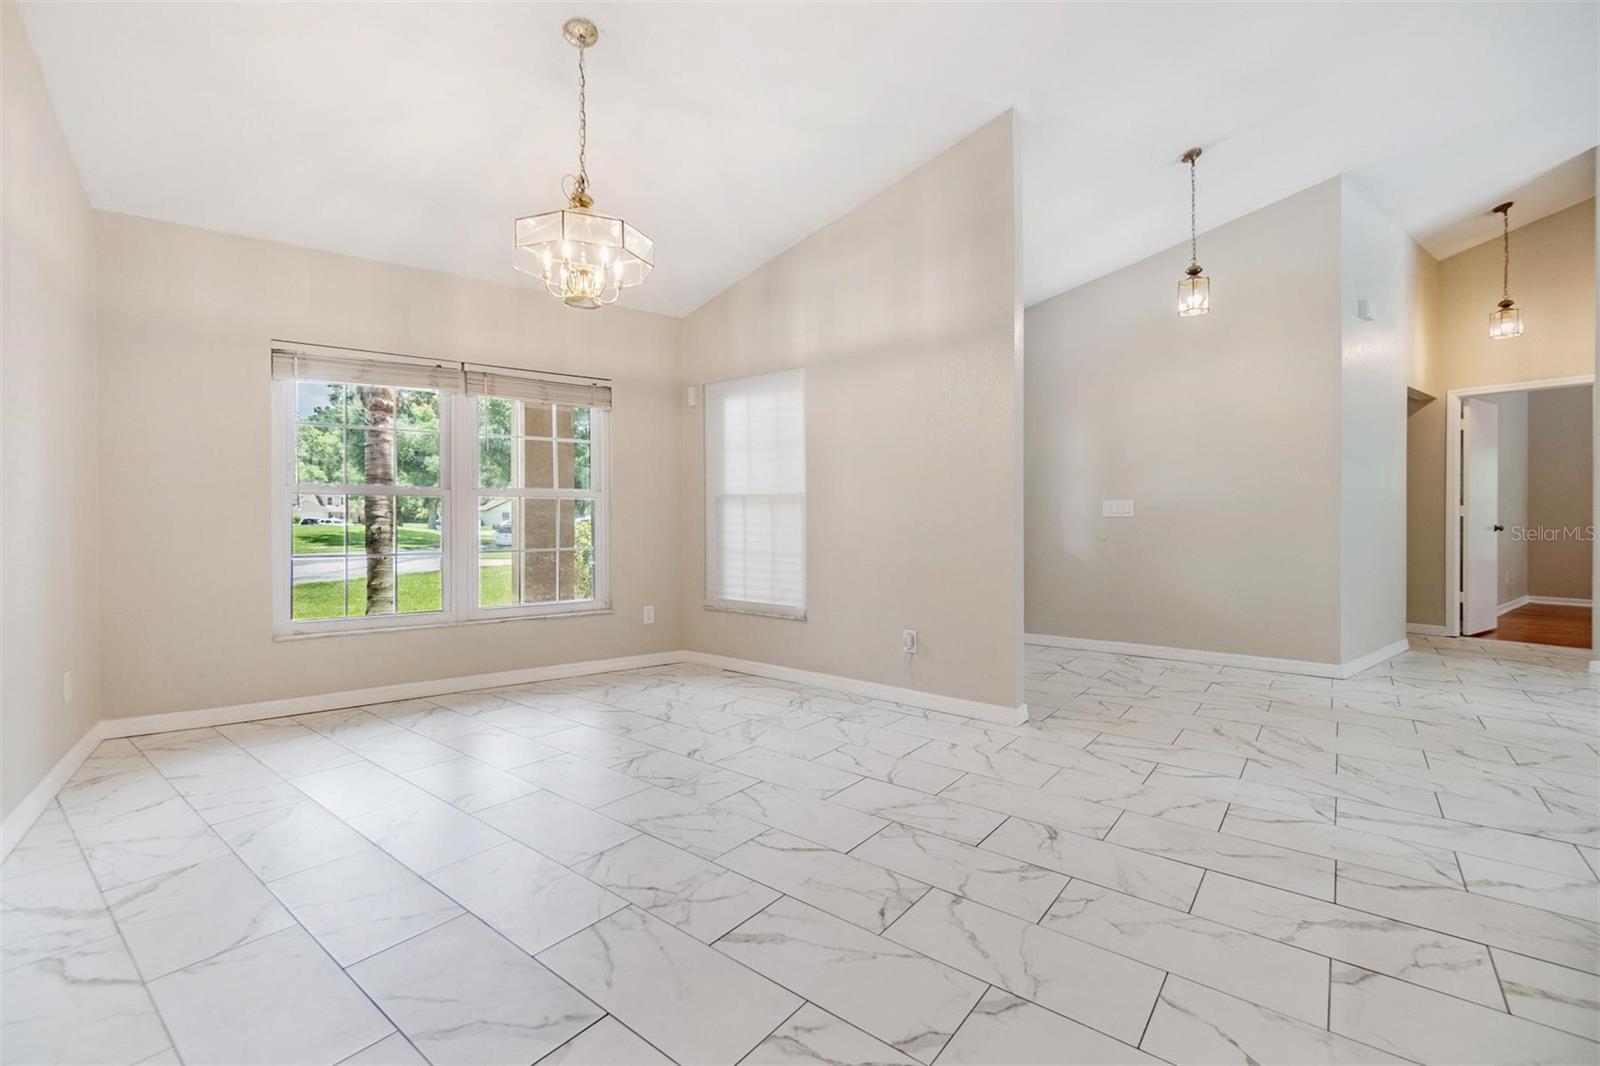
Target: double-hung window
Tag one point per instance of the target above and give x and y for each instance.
(755, 453)
(417, 492)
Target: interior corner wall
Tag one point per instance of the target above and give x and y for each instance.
(182, 515)
(904, 314)
(1223, 429)
(51, 518)
(1383, 320)
(1553, 280)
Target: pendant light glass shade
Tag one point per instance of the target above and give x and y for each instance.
(1194, 291)
(1194, 295)
(1506, 320)
(584, 259)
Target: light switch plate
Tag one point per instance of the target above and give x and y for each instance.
(1116, 508)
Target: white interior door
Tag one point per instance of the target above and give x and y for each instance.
(1480, 515)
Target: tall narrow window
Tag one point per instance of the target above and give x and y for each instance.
(755, 448)
(417, 491)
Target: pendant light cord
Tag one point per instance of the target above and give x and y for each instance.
(1505, 240)
(1194, 248)
(583, 126)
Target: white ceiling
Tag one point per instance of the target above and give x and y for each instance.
(414, 133)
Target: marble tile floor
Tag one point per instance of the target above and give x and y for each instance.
(1170, 862)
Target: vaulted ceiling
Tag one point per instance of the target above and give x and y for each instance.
(414, 133)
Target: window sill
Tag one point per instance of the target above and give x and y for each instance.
(757, 610)
(454, 623)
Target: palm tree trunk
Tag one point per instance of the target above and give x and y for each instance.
(379, 455)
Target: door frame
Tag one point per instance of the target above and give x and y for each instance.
(1452, 481)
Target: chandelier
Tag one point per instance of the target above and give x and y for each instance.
(584, 259)
(1507, 321)
(1194, 291)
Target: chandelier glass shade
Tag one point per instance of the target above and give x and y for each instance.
(1506, 320)
(1194, 291)
(585, 259)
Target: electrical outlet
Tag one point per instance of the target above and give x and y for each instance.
(66, 687)
(908, 641)
(650, 614)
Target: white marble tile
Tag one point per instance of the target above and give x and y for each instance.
(464, 994)
(606, 1043)
(500, 748)
(1246, 793)
(280, 842)
(907, 773)
(359, 905)
(813, 1036)
(1523, 850)
(427, 719)
(1387, 945)
(397, 750)
(556, 828)
(773, 737)
(1143, 798)
(469, 784)
(147, 842)
(987, 876)
(594, 744)
(894, 993)
(1552, 995)
(701, 898)
(1422, 862)
(47, 844)
(804, 815)
(1427, 1026)
(1103, 990)
(302, 752)
(874, 736)
(936, 814)
(579, 780)
(692, 742)
(1578, 825)
(392, 1050)
(1196, 1024)
(847, 887)
(1575, 896)
(1190, 756)
(788, 772)
(1065, 812)
(50, 914)
(83, 1006)
(1345, 786)
(278, 999)
(997, 764)
(1149, 877)
(691, 715)
(178, 918)
(683, 823)
(1252, 860)
(356, 789)
(690, 778)
(687, 999)
(530, 900)
(1003, 1028)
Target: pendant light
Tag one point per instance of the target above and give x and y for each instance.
(1507, 321)
(584, 259)
(1194, 291)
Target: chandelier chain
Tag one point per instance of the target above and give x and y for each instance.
(583, 126)
(1194, 248)
(1505, 243)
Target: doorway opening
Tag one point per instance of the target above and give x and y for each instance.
(1519, 534)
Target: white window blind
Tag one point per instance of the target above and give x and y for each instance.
(534, 388)
(755, 446)
(339, 364)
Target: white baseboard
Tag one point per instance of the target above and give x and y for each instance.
(1560, 601)
(22, 817)
(1520, 601)
(1426, 630)
(1223, 658)
(988, 712)
(328, 701)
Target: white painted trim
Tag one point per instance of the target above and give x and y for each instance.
(22, 817)
(1520, 601)
(1452, 482)
(1423, 630)
(1223, 658)
(328, 701)
(987, 712)
(1560, 601)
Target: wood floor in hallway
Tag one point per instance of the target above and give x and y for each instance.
(1544, 623)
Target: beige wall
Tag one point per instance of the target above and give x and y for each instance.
(51, 519)
(1223, 429)
(1560, 491)
(904, 314)
(185, 324)
(1553, 280)
(1512, 488)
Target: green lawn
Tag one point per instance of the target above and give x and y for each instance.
(323, 540)
(418, 593)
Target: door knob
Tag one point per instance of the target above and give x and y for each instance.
(1498, 528)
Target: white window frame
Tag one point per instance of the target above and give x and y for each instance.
(459, 549)
(754, 607)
